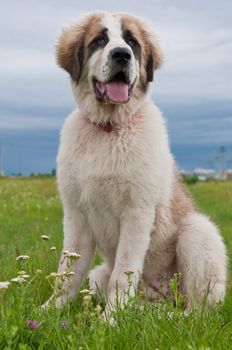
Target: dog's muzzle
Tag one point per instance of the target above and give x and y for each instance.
(118, 88)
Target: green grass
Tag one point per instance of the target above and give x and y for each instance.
(30, 208)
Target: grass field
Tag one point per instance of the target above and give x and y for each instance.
(30, 208)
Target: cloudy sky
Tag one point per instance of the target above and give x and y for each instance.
(193, 88)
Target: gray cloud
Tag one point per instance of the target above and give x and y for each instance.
(196, 37)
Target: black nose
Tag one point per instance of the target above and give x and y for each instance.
(121, 55)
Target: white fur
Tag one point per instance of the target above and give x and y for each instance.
(119, 194)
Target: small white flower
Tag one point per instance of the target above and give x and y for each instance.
(4, 285)
(84, 291)
(26, 276)
(21, 272)
(70, 273)
(45, 237)
(53, 248)
(22, 257)
(71, 255)
(39, 271)
(18, 279)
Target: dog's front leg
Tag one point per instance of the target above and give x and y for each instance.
(72, 269)
(135, 229)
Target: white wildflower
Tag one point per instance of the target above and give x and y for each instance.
(18, 279)
(26, 276)
(39, 271)
(45, 237)
(4, 285)
(70, 273)
(71, 255)
(87, 292)
(21, 272)
(84, 291)
(22, 257)
(53, 248)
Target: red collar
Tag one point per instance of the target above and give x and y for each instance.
(107, 127)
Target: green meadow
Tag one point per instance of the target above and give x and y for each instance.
(30, 208)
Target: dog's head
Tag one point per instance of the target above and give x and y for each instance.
(110, 58)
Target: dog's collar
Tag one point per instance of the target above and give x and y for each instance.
(107, 126)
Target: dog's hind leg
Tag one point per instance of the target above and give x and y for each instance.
(202, 260)
(99, 279)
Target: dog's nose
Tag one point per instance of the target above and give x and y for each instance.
(121, 55)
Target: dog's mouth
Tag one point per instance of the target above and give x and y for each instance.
(116, 90)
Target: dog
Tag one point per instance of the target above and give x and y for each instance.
(117, 178)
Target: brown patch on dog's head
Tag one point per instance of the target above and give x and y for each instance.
(73, 42)
(152, 55)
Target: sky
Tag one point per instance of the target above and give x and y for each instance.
(193, 88)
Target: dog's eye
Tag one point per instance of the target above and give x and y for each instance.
(101, 41)
(131, 42)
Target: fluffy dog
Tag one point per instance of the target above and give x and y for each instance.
(118, 183)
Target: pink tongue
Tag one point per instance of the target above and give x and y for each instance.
(117, 91)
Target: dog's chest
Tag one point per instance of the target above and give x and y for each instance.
(113, 170)
(109, 172)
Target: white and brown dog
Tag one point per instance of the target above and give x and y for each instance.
(117, 178)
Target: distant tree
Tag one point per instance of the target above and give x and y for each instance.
(190, 179)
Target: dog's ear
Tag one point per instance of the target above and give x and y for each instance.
(70, 50)
(154, 56)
